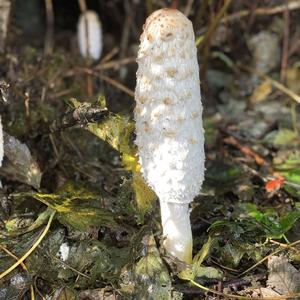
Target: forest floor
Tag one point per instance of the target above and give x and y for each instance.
(74, 223)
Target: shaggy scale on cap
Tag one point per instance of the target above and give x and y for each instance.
(168, 109)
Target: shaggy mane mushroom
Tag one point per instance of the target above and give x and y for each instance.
(168, 114)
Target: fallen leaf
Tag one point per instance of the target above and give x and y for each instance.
(19, 164)
(261, 92)
(148, 279)
(285, 136)
(64, 293)
(283, 277)
(76, 206)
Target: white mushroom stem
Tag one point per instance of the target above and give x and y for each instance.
(168, 114)
(175, 219)
(89, 35)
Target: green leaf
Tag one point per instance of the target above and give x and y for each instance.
(200, 257)
(209, 272)
(149, 277)
(289, 168)
(197, 268)
(287, 221)
(202, 254)
(41, 220)
(117, 131)
(77, 206)
(232, 255)
(284, 136)
(280, 138)
(275, 227)
(65, 293)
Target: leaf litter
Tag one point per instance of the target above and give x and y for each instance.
(74, 155)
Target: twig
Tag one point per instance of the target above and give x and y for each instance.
(224, 267)
(38, 291)
(261, 11)
(109, 55)
(236, 283)
(215, 23)
(188, 7)
(13, 256)
(246, 150)
(288, 246)
(266, 257)
(283, 89)
(129, 15)
(242, 297)
(5, 7)
(50, 27)
(118, 85)
(34, 246)
(285, 44)
(82, 6)
(200, 14)
(174, 4)
(89, 86)
(115, 63)
(69, 267)
(205, 42)
(23, 267)
(89, 82)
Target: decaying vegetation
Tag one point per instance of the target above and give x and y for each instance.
(77, 219)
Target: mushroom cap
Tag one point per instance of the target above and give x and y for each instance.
(167, 23)
(168, 113)
(89, 35)
(92, 16)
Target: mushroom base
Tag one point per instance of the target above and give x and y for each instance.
(177, 233)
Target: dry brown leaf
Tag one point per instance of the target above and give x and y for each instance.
(283, 278)
(19, 164)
